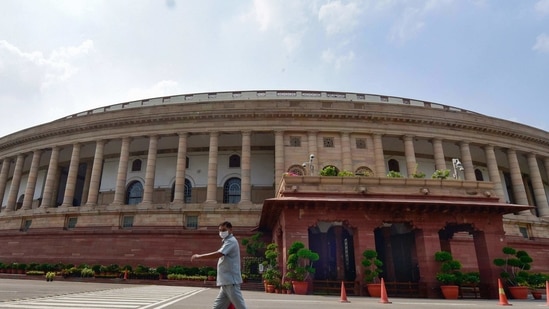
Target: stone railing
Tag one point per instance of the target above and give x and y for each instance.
(269, 95)
(326, 185)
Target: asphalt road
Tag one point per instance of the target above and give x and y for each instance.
(38, 294)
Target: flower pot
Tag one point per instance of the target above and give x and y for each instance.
(537, 294)
(374, 289)
(270, 288)
(450, 291)
(300, 287)
(518, 292)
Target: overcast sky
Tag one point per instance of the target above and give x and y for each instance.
(62, 57)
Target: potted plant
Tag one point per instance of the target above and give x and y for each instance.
(300, 266)
(441, 174)
(449, 275)
(270, 266)
(536, 284)
(394, 174)
(50, 275)
(514, 271)
(372, 268)
(163, 271)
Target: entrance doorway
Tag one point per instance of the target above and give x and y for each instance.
(395, 244)
(333, 241)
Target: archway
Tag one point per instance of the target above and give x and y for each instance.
(333, 241)
(395, 244)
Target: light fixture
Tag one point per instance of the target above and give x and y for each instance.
(458, 167)
(310, 164)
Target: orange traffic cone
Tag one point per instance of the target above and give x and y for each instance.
(343, 294)
(547, 292)
(502, 298)
(125, 274)
(384, 299)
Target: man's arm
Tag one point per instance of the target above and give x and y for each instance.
(215, 254)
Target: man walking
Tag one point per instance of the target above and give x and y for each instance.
(229, 276)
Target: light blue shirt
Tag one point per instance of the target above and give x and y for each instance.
(228, 266)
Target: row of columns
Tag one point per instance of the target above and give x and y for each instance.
(211, 194)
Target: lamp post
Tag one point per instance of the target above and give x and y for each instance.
(310, 165)
(458, 167)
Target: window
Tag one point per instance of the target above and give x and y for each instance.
(127, 222)
(231, 191)
(523, 230)
(186, 162)
(360, 143)
(71, 222)
(328, 142)
(234, 161)
(296, 170)
(191, 222)
(364, 171)
(134, 195)
(295, 141)
(478, 175)
(394, 166)
(20, 201)
(26, 225)
(136, 165)
(188, 191)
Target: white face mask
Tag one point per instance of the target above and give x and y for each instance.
(223, 234)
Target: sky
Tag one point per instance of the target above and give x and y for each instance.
(59, 58)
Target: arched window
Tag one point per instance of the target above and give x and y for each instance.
(234, 161)
(394, 166)
(134, 195)
(296, 170)
(364, 171)
(20, 201)
(478, 175)
(136, 165)
(231, 191)
(188, 191)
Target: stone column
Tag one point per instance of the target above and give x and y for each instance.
(47, 195)
(537, 185)
(86, 186)
(427, 244)
(122, 175)
(488, 246)
(381, 171)
(493, 171)
(516, 178)
(151, 170)
(245, 169)
(71, 177)
(313, 149)
(4, 178)
(95, 179)
(15, 182)
(346, 153)
(179, 191)
(279, 157)
(438, 150)
(31, 182)
(467, 161)
(211, 191)
(410, 154)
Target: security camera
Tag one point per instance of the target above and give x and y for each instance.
(458, 164)
(312, 156)
(304, 164)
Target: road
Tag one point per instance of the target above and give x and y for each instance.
(35, 294)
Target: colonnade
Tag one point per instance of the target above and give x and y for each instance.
(347, 157)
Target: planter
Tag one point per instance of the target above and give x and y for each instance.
(450, 291)
(270, 288)
(518, 292)
(537, 294)
(374, 289)
(300, 287)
